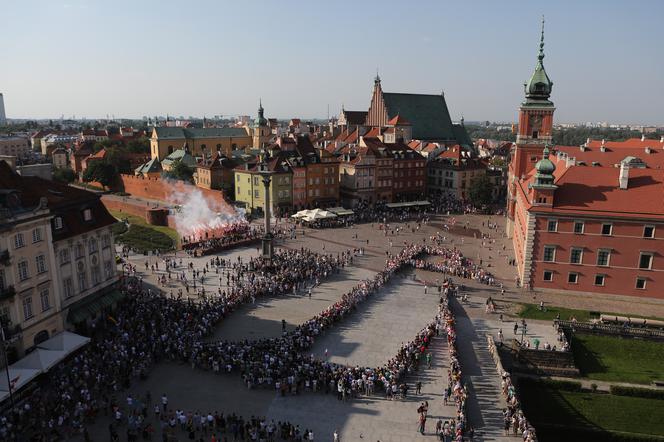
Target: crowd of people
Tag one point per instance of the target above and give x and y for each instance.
(514, 419)
(145, 328)
(148, 327)
(453, 263)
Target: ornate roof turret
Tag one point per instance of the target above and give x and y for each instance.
(260, 121)
(539, 86)
(544, 170)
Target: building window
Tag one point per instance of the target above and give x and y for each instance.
(23, 270)
(578, 227)
(87, 215)
(79, 251)
(82, 281)
(108, 269)
(576, 255)
(552, 225)
(36, 235)
(68, 287)
(92, 245)
(3, 284)
(645, 260)
(106, 241)
(64, 256)
(18, 241)
(255, 193)
(641, 283)
(27, 308)
(549, 253)
(649, 232)
(607, 229)
(45, 301)
(548, 275)
(58, 223)
(96, 275)
(573, 278)
(40, 261)
(599, 280)
(603, 257)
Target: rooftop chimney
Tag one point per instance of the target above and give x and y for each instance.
(643, 137)
(648, 150)
(623, 177)
(661, 140)
(588, 140)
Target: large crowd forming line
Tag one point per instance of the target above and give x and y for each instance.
(148, 327)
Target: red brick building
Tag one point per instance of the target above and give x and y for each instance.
(587, 218)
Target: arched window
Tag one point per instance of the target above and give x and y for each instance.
(41, 337)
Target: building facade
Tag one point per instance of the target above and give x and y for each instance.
(250, 190)
(206, 141)
(585, 218)
(57, 263)
(14, 146)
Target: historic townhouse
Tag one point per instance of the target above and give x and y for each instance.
(57, 263)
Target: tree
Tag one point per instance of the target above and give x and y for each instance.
(179, 171)
(64, 175)
(481, 190)
(100, 171)
(142, 145)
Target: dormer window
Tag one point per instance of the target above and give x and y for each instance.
(57, 222)
(87, 215)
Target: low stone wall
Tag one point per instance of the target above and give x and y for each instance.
(544, 362)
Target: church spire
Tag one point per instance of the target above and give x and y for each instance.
(539, 86)
(541, 51)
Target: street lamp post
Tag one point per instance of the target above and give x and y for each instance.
(4, 352)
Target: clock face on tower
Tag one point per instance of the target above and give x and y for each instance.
(535, 122)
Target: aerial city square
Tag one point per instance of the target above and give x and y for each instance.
(348, 221)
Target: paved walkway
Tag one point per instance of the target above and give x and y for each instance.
(263, 319)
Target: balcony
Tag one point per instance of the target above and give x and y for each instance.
(7, 292)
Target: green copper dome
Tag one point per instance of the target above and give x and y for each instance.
(545, 166)
(539, 86)
(260, 121)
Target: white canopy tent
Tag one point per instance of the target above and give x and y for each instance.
(47, 354)
(18, 377)
(67, 341)
(41, 360)
(318, 214)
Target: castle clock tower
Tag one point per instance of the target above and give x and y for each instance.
(535, 129)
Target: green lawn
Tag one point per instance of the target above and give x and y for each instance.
(556, 413)
(615, 359)
(137, 220)
(532, 311)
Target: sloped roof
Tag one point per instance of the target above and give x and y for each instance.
(180, 155)
(178, 133)
(151, 166)
(427, 113)
(64, 201)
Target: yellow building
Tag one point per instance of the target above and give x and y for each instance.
(250, 190)
(165, 140)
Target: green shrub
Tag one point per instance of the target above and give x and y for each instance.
(620, 390)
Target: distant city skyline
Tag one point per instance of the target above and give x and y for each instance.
(93, 58)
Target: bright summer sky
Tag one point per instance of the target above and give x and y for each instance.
(153, 57)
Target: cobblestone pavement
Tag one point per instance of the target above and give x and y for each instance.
(371, 336)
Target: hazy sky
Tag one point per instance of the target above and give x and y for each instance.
(140, 57)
